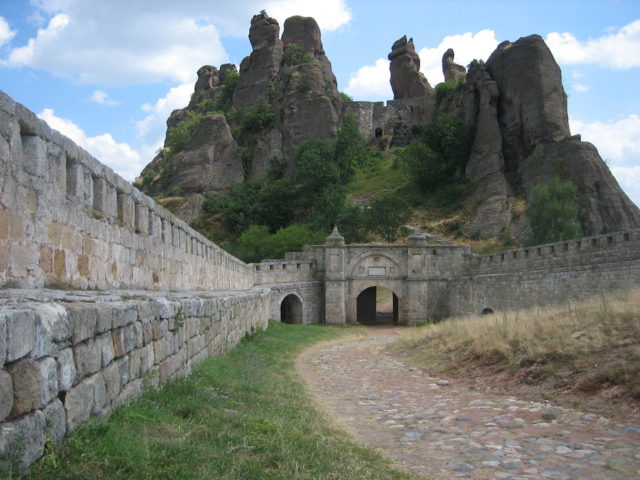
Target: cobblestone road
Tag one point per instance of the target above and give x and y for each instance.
(435, 428)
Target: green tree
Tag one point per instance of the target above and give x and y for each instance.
(315, 168)
(554, 211)
(327, 206)
(425, 166)
(351, 149)
(387, 215)
(449, 137)
(354, 223)
(256, 243)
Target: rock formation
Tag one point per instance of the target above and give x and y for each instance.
(514, 105)
(406, 79)
(289, 77)
(452, 71)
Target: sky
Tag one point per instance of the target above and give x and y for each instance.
(107, 73)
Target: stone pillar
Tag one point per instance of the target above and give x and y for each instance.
(335, 310)
(417, 294)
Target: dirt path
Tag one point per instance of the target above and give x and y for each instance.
(435, 428)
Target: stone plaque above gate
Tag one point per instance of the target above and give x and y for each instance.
(377, 271)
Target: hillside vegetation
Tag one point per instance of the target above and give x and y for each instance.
(583, 354)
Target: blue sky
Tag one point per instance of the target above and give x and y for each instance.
(107, 73)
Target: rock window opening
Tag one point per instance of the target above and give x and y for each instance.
(486, 311)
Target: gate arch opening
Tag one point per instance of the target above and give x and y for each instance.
(291, 309)
(377, 306)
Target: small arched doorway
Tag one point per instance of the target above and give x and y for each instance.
(486, 311)
(377, 306)
(291, 309)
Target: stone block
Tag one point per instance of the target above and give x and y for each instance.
(112, 380)
(3, 339)
(160, 329)
(87, 356)
(119, 342)
(132, 391)
(107, 352)
(97, 382)
(35, 383)
(55, 421)
(133, 333)
(192, 326)
(78, 404)
(124, 315)
(21, 333)
(66, 369)
(52, 327)
(26, 435)
(6, 394)
(83, 320)
(104, 318)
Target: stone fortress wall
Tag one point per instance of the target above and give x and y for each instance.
(68, 221)
(152, 298)
(544, 274)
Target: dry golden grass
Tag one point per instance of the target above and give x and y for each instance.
(595, 342)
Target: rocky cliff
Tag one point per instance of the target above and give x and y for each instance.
(246, 122)
(285, 93)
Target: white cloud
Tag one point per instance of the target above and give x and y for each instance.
(122, 42)
(103, 98)
(371, 82)
(618, 141)
(576, 74)
(123, 159)
(617, 50)
(151, 130)
(581, 87)
(466, 46)
(6, 34)
(330, 14)
(619, 145)
(120, 48)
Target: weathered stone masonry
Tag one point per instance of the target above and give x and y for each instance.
(68, 222)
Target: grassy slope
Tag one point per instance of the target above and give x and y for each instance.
(241, 416)
(583, 354)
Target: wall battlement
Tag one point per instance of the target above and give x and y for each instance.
(68, 221)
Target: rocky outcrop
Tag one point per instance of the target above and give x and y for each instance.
(406, 79)
(532, 106)
(536, 141)
(289, 78)
(514, 105)
(485, 167)
(258, 70)
(452, 71)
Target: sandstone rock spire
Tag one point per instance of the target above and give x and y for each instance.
(406, 79)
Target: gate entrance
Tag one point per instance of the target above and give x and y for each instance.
(291, 309)
(377, 306)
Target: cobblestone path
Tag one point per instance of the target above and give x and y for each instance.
(435, 428)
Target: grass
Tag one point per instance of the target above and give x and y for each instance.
(244, 415)
(591, 346)
(369, 183)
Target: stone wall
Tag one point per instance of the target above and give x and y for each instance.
(545, 274)
(67, 221)
(65, 358)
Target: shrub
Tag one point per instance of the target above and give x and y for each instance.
(387, 215)
(315, 167)
(446, 90)
(229, 84)
(293, 55)
(345, 98)
(257, 118)
(553, 211)
(179, 136)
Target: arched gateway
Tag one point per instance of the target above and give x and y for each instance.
(338, 283)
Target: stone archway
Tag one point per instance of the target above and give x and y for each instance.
(377, 306)
(291, 309)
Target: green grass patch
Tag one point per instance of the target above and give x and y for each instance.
(244, 415)
(374, 182)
